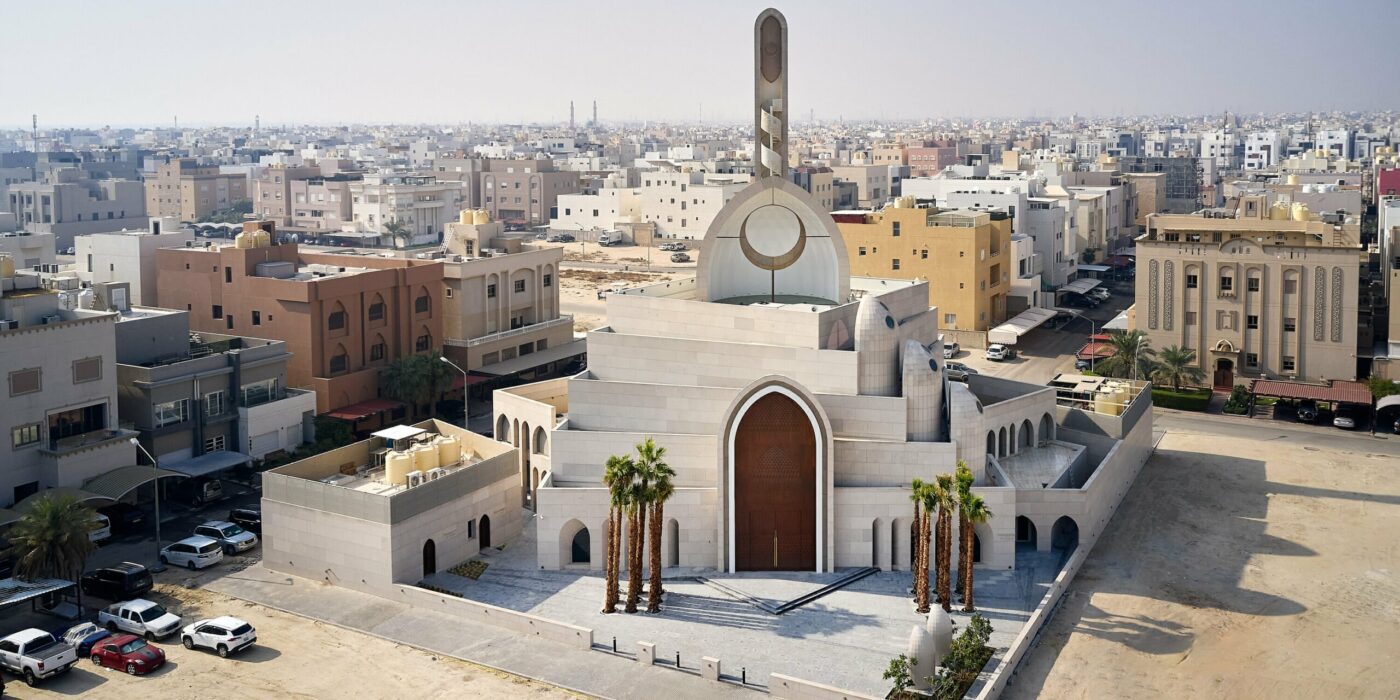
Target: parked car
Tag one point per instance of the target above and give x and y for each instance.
(139, 616)
(196, 552)
(83, 635)
(1082, 365)
(1081, 301)
(249, 519)
(998, 352)
(35, 655)
(1307, 411)
(126, 518)
(232, 538)
(958, 371)
(951, 350)
(1100, 293)
(561, 238)
(121, 582)
(101, 529)
(197, 491)
(127, 652)
(541, 236)
(1349, 417)
(225, 635)
(680, 257)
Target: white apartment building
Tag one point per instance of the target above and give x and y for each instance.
(129, 256)
(28, 249)
(1262, 149)
(420, 203)
(1336, 142)
(1223, 146)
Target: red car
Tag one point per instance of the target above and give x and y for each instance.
(128, 652)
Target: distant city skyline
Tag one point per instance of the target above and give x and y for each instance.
(433, 61)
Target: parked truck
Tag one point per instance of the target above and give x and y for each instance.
(36, 655)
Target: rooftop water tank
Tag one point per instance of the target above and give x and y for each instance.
(1279, 211)
(465, 216)
(1292, 178)
(397, 465)
(7, 267)
(481, 216)
(261, 239)
(1300, 212)
(243, 241)
(449, 450)
(425, 457)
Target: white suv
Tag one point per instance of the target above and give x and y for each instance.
(999, 352)
(951, 350)
(224, 635)
(101, 529)
(193, 553)
(233, 538)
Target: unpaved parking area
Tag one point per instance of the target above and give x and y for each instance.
(1236, 568)
(294, 658)
(579, 288)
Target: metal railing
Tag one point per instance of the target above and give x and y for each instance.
(566, 319)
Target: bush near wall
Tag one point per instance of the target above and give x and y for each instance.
(1184, 400)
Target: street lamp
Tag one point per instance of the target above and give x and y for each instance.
(159, 567)
(464, 389)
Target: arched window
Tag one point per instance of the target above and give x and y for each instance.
(339, 361)
(539, 441)
(503, 429)
(423, 303)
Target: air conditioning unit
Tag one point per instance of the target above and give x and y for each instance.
(52, 318)
(435, 474)
(8, 325)
(415, 478)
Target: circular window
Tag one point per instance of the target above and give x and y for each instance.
(889, 322)
(933, 364)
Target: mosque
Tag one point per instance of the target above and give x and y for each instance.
(797, 403)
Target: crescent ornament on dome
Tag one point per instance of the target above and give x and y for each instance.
(773, 262)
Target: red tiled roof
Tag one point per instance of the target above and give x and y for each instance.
(1338, 391)
(364, 409)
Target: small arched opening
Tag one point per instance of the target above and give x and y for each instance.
(672, 551)
(503, 429)
(991, 443)
(538, 444)
(429, 558)
(1064, 534)
(976, 549)
(575, 544)
(1026, 437)
(1025, 532)
(1001, 443)
(484, 528)
(1047, 429)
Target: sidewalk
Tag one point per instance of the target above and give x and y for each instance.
(593, 673)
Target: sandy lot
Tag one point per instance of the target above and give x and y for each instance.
(1239, 569)
(294, 658)
(579, 287)
(634, 255)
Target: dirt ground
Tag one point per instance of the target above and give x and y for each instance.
(635, 255)
(578, 292)
(1236, 569)
(294, 658)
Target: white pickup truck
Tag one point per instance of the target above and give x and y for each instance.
(35, 655)
(140, 617)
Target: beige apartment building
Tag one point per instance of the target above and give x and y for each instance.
(1256, 291)
(184, 189)
(420, 203)
(872, 182)
(311, 200)
(964, 255)
(524, 192)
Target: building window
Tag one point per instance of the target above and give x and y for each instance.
(1288, 364)
(490, 291)
(894, 228)
(339, 364)
(1227, 284)
(258, 393)
(376, 352)
(923, 254)
(421, 304)
(336, 320)
(1290, 286)
(449, 292)
(423, 343)
(1290, 325)
(950, 320)
(214, 403)
(214, 444)
(1190, 318)
(24, 435)
(376, 311)
(519, 286)
(217, 311)
(549, 280)
(894, 264)
(1253, 283)
(228, 275)
(862, 251)
(171, 412)
(1251, 322)
(88, 369)
(26, 381)
(257, 318)
(1192, 282)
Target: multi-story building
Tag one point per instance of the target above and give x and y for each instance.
(817, 180)
(1256, 291)
(59, 402)
(129, 256)
(1337, 143)
(69, 204)
(206, 401)
(188, 191)
(1183, 180)
(931, 158)
(524, 192)
(322, 204)
(344, 318)
(872, 182)
(27, 249)
(420, 204)
(964, 254)
(682, 204)
(272, 191)
(1262, 149)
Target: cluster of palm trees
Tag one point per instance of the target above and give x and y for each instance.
(935, 504)
(418, 380)
(1134, 358)
(638, 489)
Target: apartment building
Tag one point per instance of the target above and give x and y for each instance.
(129, 256)
(188, 191)
(27, 249)
(1262, 150)
(872, 182)
(59, 403)
(964, 255)
(524, 192)
(343, 317)
(272, 191)
(70, 204)
(931, 158)
(204, 402)
(682, 204)
(420, 204)
(1256, 291)
(818, 181)
(1183, 180)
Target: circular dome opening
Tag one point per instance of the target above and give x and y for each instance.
(889, 322)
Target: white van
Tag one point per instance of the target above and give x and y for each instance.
(101, 529)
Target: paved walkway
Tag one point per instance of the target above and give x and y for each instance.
(594, 673)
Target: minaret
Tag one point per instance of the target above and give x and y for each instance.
(770, 94)
(595, 113)
(571, 116)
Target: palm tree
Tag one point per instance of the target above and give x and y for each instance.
(1132, 356)
(617, 476)
(393, 230)
(964, 479)
(973, 511)
(51, 540)
(417, 380)
(1176, 364)
(659, 474)
(920, 554)
(945, 495)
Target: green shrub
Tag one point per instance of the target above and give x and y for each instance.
(964, 661)
(1184, 400)
(1238, 402)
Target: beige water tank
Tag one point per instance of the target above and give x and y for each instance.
(261, 239)
(1300, 211)
(243, 240)
(1292, 178)
(7, 267)
(465, 216)
(1279, 211)
(397, 465)
(449, 450)
(481, 216)
(425, 457)
(905, 202)
(1110, 402)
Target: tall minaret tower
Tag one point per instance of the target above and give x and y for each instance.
(571, 116)
(770, 87)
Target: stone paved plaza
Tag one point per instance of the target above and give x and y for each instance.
(844, 639)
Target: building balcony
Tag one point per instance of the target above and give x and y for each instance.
(563, 320)
(86, 441)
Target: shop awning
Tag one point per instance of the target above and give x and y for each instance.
(398, 432)
(1335, 392)
(525, 363)
(364, 409)
(459, 381)
(122, 480)
(1008, 332)
(79, 495)
(1080, 286)
(208, 463)
(1093, 268)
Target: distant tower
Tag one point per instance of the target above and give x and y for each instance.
(257, 124)
(34, 130)
(571, 115)
(770, 94)
(595, 113)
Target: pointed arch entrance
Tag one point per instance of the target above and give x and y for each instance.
(774, 486)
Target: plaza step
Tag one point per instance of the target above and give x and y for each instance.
(846, 579)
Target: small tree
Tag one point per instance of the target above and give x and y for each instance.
(393, 230)
(51, 539)
(417, 379)
(1176, 364)
(897, 673)
(1381, 387)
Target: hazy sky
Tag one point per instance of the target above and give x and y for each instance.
(141, 62)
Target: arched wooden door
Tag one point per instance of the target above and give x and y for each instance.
(775, 488)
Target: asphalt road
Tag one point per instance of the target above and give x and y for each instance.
(1307, 437)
